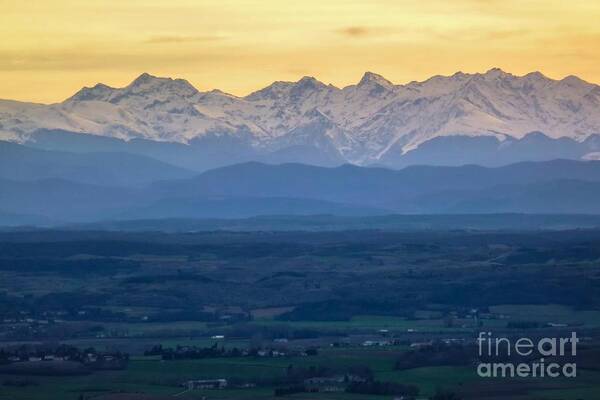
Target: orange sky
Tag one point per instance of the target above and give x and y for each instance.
(51, 48)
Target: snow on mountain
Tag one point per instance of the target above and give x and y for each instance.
(360, 123)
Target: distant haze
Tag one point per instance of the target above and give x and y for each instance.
(49, 196)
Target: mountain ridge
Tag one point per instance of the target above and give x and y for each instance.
(252, 189)
(368, 122)
(20, 162)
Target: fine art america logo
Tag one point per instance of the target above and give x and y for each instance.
(501, 357)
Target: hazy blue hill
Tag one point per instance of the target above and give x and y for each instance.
(243, 207)
(445, 151)
(345, 184)
(19, 162)
(61, 200)
(376, 187)
(218, 150)
(59, 140)
(303, 154)
(9, 219)
(425, 178)
(536, 146)
(201, 154)
(489, 151)
(551, 197)
(253, 189)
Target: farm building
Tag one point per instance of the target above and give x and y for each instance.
(206, 384)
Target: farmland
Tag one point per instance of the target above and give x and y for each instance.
(269, 310)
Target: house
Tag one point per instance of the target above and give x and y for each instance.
(326, 384)
(337, 383)
(419, 345)
(321, 380)
(369, 343)
(351, 378)
(206, 384)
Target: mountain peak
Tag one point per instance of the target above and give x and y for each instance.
(281, 89)
(310, 81)
(306, 87)
(536, 76)
(373, 78)
(100, 91)
(573, 80)
(150, 83)
(366, 120)
(146, 79)
(496, 73)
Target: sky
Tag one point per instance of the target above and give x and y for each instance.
(49, 49)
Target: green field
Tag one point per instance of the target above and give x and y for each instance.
(156, 377)
(550, 313)
(428, 290)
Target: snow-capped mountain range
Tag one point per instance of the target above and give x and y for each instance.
(365, 123)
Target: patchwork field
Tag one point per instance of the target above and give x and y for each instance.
(273, 313)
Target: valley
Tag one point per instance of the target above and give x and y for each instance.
(276, 311)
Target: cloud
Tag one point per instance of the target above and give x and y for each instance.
(183, 39)
(355, 31)
(363, 32)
